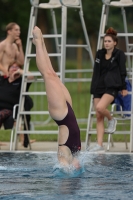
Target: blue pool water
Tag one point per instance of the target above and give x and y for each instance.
(30, 176)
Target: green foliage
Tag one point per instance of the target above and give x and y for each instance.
(91, 12)
(15, 11)
(5, 136)
(19, 12)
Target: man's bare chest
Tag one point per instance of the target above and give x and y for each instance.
(10, 52)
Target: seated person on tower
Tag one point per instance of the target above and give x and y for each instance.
(9, 96)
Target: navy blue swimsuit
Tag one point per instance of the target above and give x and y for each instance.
(73, 142)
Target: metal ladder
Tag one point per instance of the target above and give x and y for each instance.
(91, 125)
(60, 54)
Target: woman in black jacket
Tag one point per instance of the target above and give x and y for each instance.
(108, 78)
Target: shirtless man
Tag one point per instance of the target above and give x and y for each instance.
(11, 49)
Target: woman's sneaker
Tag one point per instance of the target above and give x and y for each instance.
(111, 126)
(96, 148)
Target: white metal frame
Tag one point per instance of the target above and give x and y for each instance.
(14, 126)
(104, 17)
(120, 118)
(61, 53)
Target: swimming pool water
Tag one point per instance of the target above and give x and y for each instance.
(30, 176)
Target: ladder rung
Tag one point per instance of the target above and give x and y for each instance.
(78, 79)
(129, 53)
(50, 55)
(50, 36)
(36, 73)
(116, 112)
(116, 132)
(37, 132)
(75, 45)
(78, 70)
(121, 132)
(34, 93)
(120, 35)
(35, 80)
(34, 112)
(32, 74)
(130, 73)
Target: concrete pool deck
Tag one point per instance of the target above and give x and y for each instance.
(52, 146)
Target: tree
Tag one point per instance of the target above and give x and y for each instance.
(19, 12)
(15, 11)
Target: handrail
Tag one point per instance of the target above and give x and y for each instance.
(14, 110)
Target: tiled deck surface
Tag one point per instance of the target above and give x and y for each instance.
(52, 146)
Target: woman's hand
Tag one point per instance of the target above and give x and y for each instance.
(124, 93)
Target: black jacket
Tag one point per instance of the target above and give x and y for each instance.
(10, 93)
(116, 70)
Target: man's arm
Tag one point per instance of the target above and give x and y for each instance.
(20, 53)
(2, 68)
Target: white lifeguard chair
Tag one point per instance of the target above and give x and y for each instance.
(91, 126)
(60, 54)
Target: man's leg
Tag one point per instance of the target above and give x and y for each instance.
(4, 115)
(27, 125)
(8, 122)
